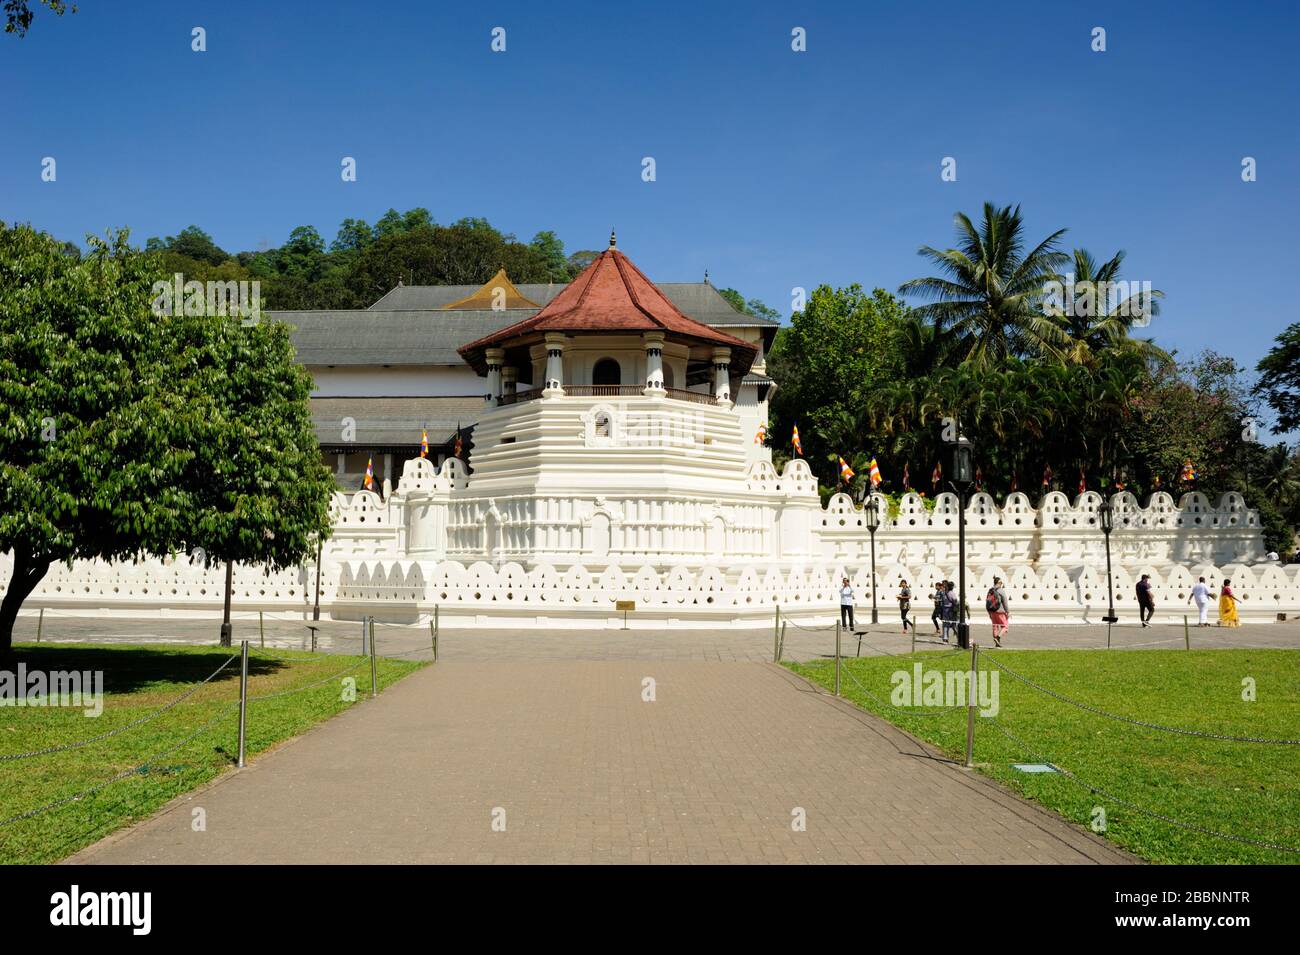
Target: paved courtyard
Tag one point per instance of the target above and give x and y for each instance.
(801, 643)
(578, 767)
(548, 730)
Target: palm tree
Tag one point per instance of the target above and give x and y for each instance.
(1094, 322)
(991, 293)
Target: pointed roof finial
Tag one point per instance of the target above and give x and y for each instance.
(613, 240)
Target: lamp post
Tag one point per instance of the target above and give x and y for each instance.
(1106, 517)
(963, 475)
(873, 524)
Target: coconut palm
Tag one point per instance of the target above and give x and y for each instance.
(990, 294)
(1100, 314)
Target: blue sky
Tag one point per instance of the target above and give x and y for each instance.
(775, 169)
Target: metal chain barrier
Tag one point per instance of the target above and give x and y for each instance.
(1190, 826)
(311, 686)
(122, 775)
(1135, 722)
(122, 729)
(799, 626)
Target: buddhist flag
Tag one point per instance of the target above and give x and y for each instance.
(794, 439)
(370, 473)
(459, 446)
(1047, 476)
(979, 478)
(1083, 482)
(1015, 483)
(1156, 482)
(424, 443)
(1120, 483)
(873, 471)
(846, 472)
(935, 477)
(1189, 472)
(907, 480)
(761, 436)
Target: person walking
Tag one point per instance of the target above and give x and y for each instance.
(846, 604)
(1228, 606)
(905, 604)
(1146, 600)
(949, 609)
(1201, 594)
(999, 610)
(936, 616)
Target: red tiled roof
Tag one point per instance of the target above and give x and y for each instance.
(611, 295)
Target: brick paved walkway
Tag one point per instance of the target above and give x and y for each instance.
(585, 771)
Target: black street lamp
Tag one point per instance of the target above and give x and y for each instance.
(873, 524)
(1106, 517)
(963, 476)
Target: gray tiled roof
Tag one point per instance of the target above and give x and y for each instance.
(373, 337)
(393, 421)
(407, 327)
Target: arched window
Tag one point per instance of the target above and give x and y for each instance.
(606, 372)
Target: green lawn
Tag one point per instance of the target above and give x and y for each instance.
(154, 757)
(1247, 790)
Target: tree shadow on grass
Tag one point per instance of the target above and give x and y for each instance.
(132, 669)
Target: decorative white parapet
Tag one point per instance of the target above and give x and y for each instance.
(387, 558)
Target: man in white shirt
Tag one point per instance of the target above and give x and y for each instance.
(1201, 594)
(846, 604)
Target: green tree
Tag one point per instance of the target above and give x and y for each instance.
(19, 13)
(1279, 379)
(990, 295)
(118, 439)
(838, 348)
(548, 245)
(353, 235)
(1101, 314)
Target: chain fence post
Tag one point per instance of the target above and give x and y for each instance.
(436, 629)
(837, 658)
(261, 629)
(970, 704)
(776, 636)
(40, 623)
(374, 679)
(780, 644)
(1187, 633)
(243, 698)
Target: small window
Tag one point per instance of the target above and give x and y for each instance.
(602, 425)
(509, 440)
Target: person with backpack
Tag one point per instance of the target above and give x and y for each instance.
(995, 602)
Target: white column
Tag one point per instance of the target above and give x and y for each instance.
(554, 365)
(494, 356)
(654, 364)
(722, 376)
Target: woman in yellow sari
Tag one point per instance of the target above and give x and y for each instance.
(1228, 607)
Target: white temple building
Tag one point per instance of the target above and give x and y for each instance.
(612, 463)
